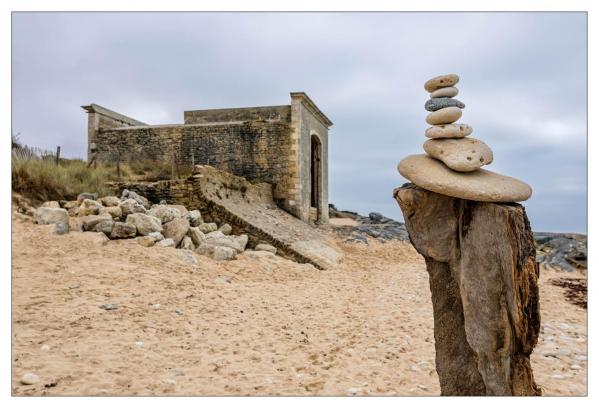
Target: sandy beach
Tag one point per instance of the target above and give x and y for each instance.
(187, 325)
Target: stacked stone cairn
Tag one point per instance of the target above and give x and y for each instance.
(132, 216)
(453, 162)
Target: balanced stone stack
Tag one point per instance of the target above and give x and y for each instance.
(479, 252)
(453, 164)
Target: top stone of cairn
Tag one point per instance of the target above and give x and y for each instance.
(441, 81)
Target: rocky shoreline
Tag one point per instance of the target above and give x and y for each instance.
(561, 251)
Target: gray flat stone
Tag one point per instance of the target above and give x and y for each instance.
(478, 185)
(434, 104)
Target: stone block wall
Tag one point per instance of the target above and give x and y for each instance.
(257, 150)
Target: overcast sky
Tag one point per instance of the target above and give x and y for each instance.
(523, 80)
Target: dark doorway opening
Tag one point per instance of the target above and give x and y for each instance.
(315, 173)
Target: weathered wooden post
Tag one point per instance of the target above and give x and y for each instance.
(57, 155)
(479, 252)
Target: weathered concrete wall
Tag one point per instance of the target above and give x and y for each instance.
(258, 151)
(270, 113)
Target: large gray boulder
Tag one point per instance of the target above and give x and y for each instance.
(45, 215)
(176, 229)
(130, 206)
(127, 194)
(187, 243)
(123, 230)
(266, 247)
(207, 227)
(216, 252)
(164, 213)
(144, 223)
(89, 222)
(50, 204)
(104, 226)
(238, 243)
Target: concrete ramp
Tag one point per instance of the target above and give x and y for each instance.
(250, 207)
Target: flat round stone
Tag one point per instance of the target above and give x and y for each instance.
(434, 104)
(447, 92)
(478, 185)
(453, 130)
(466, 154)
(441, 81)
(444, 116)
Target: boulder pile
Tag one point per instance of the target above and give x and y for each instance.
(452, 165)
(161, 225)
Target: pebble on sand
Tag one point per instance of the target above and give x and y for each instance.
(29, 379)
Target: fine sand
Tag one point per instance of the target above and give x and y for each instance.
(245, 327)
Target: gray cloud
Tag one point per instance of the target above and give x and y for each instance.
(523, 82)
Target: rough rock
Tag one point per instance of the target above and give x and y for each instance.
(144, 223)
(223, 254)
(207, 227)
(176, 229)
(164, 213)
(452, 130)
(215, 234)
(266, 247)
(29, 379)
(195, 218)
(127, 194)
(109, 306)
(73, 211)
(104, 226)
(444, 116)
(242, 241)
(447, 92)
(226, 241)
(89, 207)
(114, 212)
(483, 279)
(562, 250)
(122, 230)
(84, 196)
(130, 206)
(434, 104)
(187, 243)
(189, 257)
(197, 236)
(260, 254)
(226, 229)
(67, 205)
(61, 228)
(50, 204)
(45, 215)
(167, 242)
(467, 154)
(146, 241)
(110, 201)
(441, 81)
(479, 185)
(181, 208)
(157, 236)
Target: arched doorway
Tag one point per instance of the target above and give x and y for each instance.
(315, 176)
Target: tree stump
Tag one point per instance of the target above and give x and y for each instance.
(483, 274)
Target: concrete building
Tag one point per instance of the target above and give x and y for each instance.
(285, 146)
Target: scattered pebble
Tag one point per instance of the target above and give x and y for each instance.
(354, 390)
(156, 306)
(109, 306)
(557, 377)
(575, 367)
(30, 379)
(139, 343)
(581, 357)
(45, 347)
(74, 286)
(179, 311)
